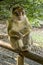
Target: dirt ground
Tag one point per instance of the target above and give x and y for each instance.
(9, 58)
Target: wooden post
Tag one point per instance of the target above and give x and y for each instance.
(20, 60)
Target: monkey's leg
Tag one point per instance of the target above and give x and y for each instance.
(14, 43)
(23, 43)
(30, 42)
(27, 43)
(20, 41)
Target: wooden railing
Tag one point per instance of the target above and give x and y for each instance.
(21, 54)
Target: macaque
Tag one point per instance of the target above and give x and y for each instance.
(19, 29)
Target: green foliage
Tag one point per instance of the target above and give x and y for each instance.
(36, 23)
(33, 8)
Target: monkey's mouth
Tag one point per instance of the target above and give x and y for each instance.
(20, 17)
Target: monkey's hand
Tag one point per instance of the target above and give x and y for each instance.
(24, 32)
(15, 34)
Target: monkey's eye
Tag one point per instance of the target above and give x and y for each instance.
(17, 14)
(22, 13)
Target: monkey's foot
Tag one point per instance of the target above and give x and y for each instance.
(25, 48)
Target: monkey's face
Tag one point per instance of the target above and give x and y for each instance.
(18, 13)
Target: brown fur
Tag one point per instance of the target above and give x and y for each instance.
(19, 30)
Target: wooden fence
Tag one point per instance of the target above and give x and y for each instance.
(21, 54)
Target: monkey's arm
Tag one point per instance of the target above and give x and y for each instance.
(15, 34)
(28, 24)
(27, 27)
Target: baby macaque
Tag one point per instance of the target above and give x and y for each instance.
(19, 29)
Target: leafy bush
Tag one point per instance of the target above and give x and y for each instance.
(33, 8)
